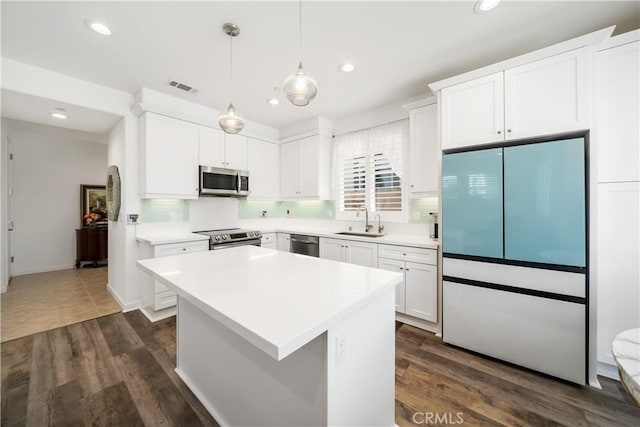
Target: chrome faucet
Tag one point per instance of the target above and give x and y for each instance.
(367, 226)
(380, 226)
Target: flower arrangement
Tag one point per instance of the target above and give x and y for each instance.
(91, 219)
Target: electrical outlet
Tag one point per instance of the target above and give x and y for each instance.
(341, 349)
(289, 213)
(132, 218)
(263, 213)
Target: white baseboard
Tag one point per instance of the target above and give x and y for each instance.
(609, 371)
(124, 306)
(418, 323)
(43, 269)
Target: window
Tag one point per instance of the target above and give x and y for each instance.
(369, 168)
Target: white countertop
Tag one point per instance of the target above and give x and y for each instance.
(276, 300)
(626, 352)
(419, 241)
(161, 238)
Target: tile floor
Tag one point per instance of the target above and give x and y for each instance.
(39, 302)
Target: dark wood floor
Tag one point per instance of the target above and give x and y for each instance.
(118, 370)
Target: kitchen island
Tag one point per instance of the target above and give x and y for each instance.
(266, 337)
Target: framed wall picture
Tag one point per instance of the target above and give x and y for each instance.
(93, 205)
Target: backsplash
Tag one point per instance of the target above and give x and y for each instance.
(164, 210)
(307, 209)
(419, 209)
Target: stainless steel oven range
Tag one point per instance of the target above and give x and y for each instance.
(232, 237)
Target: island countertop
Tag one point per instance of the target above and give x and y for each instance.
(278, 301)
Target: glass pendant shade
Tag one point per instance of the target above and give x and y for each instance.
(300, 88)
(230, 122)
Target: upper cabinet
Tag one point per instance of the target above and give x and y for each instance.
(539, 98)
(304, 168)
(222, 150)
(168, 151)
(264, 169)
(424, 149)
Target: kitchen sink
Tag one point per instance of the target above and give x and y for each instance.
(355, 233)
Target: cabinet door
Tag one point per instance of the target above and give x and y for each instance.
(421, 294)
(308, 176)
(361, 253)
(424, 149)
(332, 249)
(268, 240)
(171, 157)
(547, 96)
(211, 147)
(263, 163)
(289, 169)
(544, 203)
(284, 242)
(472, 203)
(473, 112)
(618, 112)
(235, 151)
(398, 267)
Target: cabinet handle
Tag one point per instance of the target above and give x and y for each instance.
(509, 130)
(401, 268)
(184, 249)
(411, 185)
(499, 132)
(404, 254)
(406, 269)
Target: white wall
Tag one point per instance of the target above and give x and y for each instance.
(49, 165)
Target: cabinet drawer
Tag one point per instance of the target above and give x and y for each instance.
(180, 248)
(405, 253)
(164, 299)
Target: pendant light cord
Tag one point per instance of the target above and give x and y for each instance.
(300, 29)
(231, 63)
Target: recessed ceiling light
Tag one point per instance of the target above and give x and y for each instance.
(98, 27)
(483, 6)
(273, 101)
(346, 67)
(59, 113)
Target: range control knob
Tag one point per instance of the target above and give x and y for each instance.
(217, 238)
(224, 237)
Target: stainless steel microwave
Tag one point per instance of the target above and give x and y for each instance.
(223, 182)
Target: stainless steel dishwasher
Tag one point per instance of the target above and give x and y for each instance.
(305, 245)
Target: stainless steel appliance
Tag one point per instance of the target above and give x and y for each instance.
(305, 245)
(223, 182)
(232, 237)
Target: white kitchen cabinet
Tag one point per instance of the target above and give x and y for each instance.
(618, 112)
(264, 169)
(417, 295)
(424, 150)
(168, 157)
(268, 240)
(350, 251)
(304, 168)
(539, 98)
(218, 149)
(284, 242)
(547, 96)
(157, 300)
(473, 112)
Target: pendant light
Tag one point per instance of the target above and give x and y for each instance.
(231, 122)
(300, 88)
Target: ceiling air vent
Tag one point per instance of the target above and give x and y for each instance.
(183, 86)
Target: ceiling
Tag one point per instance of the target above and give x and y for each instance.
(397, 47)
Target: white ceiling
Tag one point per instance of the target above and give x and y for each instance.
(397, 47)
(28, 108)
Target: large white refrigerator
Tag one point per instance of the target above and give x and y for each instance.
(515, 253)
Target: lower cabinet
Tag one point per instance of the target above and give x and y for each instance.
(283, 242)
(268, 240)
(157, 300)
(417, 294)
(351, 251)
